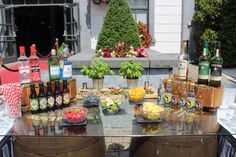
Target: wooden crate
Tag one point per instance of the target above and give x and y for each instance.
(26, 91)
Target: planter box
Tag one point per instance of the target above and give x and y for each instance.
(26, 91)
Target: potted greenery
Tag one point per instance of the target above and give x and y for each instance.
(96, 71)
(131, 71)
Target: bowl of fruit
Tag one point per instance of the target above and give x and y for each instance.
(91, 100)
(136, 94)
(110, 106)
(74, 114)
(151, 111)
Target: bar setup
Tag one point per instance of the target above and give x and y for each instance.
(50, 116)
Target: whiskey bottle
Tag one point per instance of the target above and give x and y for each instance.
(42, 98)
(183, 62)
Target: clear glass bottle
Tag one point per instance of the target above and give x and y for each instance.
(67, 68)
(34, 64)
(160, 94)
(24, 66)
(168, 94)
(190, 102)
(54, 66)
(183, 62)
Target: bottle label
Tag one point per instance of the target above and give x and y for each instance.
(50, 102)
(204, 67)
(160, 98)
(66, 98)
(190, 102)
(182, 102)
(198, 105)
(67, 71)
(54, 70)
(183, 69)
(216, 72)
(43, 103)
(167, 98)
(58, 100)
(34, 104)
(174, 100)
(35, 73)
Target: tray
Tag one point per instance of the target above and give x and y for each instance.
(66, 124)
(141, 119)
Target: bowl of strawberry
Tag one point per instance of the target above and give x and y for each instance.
(74, 114)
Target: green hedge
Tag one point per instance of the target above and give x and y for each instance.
(216, 20)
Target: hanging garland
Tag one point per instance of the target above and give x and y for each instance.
(98, 2)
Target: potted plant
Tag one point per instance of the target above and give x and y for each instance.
(131, 71)
(96, 71)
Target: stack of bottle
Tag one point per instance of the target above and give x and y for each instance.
(49, 100)
(181, 95)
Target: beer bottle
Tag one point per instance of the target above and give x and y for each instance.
(216, 68)
(65, 94)
(183, 94)
(175, 95)
(161, 91)
(168, 94)
(34, 103)
(42, 98)
(204, 65)
(57, 96)
(190, 102)
(50, 97)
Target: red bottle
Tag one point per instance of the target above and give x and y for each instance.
(34, 65)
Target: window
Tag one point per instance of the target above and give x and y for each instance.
(140, 10)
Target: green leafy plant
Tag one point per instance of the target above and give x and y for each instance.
(131, 70)
(97, 70)
(119, 26)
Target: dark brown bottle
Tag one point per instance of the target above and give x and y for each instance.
(50, 96)
(65, 94)
(42, 98)
(57, 96)
(34, 102)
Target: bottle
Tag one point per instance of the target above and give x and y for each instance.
(54, 66)
(65, 94)
(183, 94)
(42, 98)
(216, 68)
(175, 95)
(190, 102)
(50, 96)
(161, 91)
(34, 64)
(199, 100)
(57, 96)
(34, 103)
(204, 65)
(183, 62)
(24, 66)
(168, 94)
(67, 68)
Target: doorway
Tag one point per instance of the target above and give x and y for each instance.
(40, 26)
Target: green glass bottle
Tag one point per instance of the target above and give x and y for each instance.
(216, 68)
(34, 102)
(204, 65)
(54, 66)
(42, 98)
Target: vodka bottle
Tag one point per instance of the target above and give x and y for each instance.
(24, 68)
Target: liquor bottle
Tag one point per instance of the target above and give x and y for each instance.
(204, 65)
(175, 95)
(199, 101)
(67, 68)
(34, 64)
(57, 96)
(34, 103)
(54, 66)
(42, 98)
(65, 94)
(183, 94)
(24, 66)
(216, 68)
(168, 94)
(161, 91)
(190, 102)
(183, 63)
(50, 96)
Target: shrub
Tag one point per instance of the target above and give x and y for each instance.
(119, 26)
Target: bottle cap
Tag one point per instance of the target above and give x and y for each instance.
(205, 44)
(22, 49)
(33, 49)
(53, 52)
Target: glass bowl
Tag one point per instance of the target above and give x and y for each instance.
(110, 106)
(136, 97)
(74, 114)
(154, 113)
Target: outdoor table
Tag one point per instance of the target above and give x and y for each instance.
(196, 137)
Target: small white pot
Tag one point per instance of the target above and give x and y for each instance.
(132, 83)
(98, 83)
